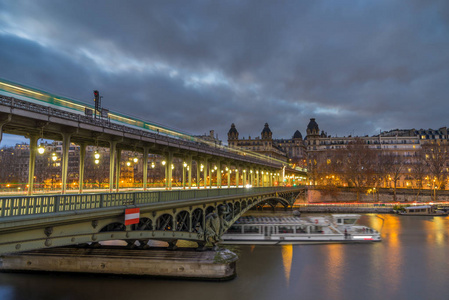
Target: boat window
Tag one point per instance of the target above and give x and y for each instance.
(316, 229)
(349, 221)
(301, 229)
(286, 229)
(235, 229)
(339, 221)
(251, 229)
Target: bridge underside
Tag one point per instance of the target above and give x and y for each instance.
(182, 220)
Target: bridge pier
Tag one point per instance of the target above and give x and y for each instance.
(218, 174)
(32, 164)
(117, 170)
(65, 160)
(229, 174)
(112, 153)
(81, 171)
(145, 168)
(182, 264)
(189, 171)
(237, 175)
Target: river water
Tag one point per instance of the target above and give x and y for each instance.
(412, 262)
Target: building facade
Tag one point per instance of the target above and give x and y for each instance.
(289, 150)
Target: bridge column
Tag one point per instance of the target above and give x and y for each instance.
(257, 177)
(145, 167)
(229, 175)
(237, 175)
(198, 172)
(117, 170)
(219, 174)
(112, 153)
(65, 160)
(33, 149)
(169, 170)
(244, 175)
(206, 169)
(183, 168)
(3, 122)
(189, 170)
(81, 170)
(283, 175)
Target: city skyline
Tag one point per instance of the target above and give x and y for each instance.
(357, 67)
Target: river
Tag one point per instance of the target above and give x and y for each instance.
(412, 262)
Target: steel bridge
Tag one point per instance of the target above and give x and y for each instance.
(39, 222)
(38, 115)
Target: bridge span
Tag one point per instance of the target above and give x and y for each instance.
(39, 222)
(38, 115)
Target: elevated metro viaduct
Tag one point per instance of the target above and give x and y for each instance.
(39, 222)
(35, 120)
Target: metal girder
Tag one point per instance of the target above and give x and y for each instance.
(171, 221)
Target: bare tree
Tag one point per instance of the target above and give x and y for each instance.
(436, 155)
(358, 165)
(420, 170)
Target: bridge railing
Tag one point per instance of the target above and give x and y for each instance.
(44, 204)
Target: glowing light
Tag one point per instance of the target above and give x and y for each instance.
(128, 163)
(22, 89)
(96, 155)
(97, 161)
(41, 149)
(135, 159)
(164, 162)
(70, 103)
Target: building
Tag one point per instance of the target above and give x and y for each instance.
(289, 150)
(404, 147)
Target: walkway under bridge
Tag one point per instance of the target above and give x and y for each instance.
(39, 222)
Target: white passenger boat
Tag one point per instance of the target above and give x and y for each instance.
(337, 228)
(423, 210)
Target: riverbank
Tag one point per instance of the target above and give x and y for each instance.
(346, 209)
(185, 263)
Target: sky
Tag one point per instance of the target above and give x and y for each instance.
(357, 67)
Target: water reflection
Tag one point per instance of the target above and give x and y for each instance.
(393, 259)
(287, 258)
(334, 267)
(410, 263)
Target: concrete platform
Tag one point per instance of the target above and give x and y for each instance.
(159, 262)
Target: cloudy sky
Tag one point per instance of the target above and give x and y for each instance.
(356, 66)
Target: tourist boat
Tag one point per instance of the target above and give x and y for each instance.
(336, 228)
(423, 210)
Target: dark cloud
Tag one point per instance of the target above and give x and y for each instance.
(356, 66)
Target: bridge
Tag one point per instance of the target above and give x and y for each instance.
(51, 220)
(38, 115)
(45, 221)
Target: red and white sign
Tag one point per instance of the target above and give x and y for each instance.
(132, 216)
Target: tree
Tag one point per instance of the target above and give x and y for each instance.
(436, 156)
(419, 170)
(358, 162)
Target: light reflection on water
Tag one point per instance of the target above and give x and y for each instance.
(287, 257)
(411, 262)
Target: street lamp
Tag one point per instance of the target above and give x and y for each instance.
(41, 149)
